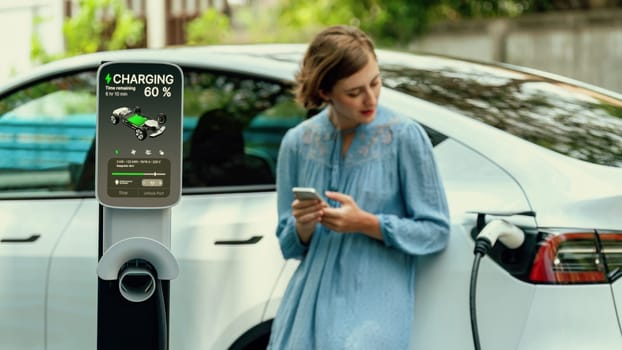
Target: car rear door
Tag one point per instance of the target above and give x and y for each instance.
(224, 227)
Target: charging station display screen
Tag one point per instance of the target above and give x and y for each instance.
(139, 134)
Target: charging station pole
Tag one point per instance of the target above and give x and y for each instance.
(138, 180)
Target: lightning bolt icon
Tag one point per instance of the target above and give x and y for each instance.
(108, 78)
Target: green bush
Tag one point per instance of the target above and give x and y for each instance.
(88, 31)
(212, 27)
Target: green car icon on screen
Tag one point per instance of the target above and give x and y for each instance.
(143, 126)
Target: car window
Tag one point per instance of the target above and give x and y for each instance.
(233, 127)
(567, 119)
(46, 132)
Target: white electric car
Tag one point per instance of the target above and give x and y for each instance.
(541, 151)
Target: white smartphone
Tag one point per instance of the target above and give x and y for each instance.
(305, 193)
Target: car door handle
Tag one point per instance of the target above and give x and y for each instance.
(32, 238)
(251, 240)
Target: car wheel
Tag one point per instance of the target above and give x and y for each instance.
(114, 119)
(141, 134)
(161, 118)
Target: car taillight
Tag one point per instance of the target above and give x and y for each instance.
(578, 257)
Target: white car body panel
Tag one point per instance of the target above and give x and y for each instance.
(473, 183)
(24, 267)
(616, 290)
(72, 290)
(442, 320)
(279, 289)
(589, 323)
(208, 272)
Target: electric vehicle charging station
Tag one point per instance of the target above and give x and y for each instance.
(138, 180)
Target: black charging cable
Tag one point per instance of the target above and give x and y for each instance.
(482, 246)
(162, 319)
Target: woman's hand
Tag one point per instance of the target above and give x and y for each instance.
(349, 217)
(307, 213)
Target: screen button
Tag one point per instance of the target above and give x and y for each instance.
(152, 182)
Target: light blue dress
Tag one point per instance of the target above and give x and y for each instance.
(351, 291)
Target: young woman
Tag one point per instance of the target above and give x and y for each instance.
(384, 205)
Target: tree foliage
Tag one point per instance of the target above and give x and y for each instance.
(98, 26)
(388, 21)
(396, 22)
(212, 27)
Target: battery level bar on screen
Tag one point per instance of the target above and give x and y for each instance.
(136, 173)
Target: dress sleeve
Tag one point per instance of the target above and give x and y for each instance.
(424, 229)
(286, 175)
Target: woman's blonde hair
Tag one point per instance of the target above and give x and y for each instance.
(335, 53)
